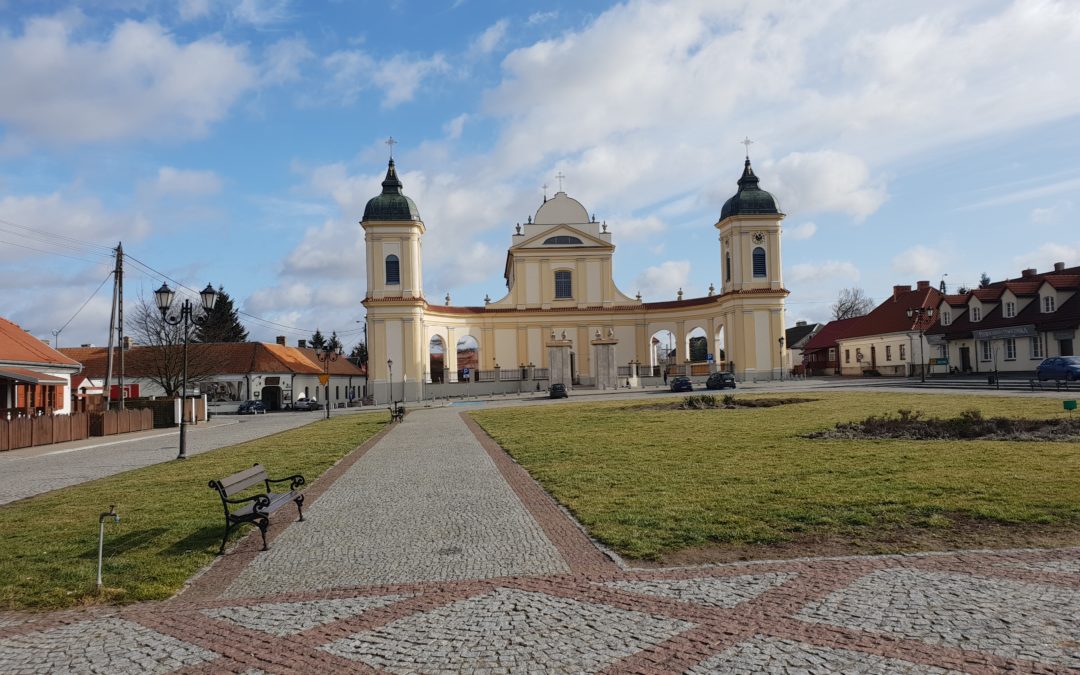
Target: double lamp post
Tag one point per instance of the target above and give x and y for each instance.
(164, 298)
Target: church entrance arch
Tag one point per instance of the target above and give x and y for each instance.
(436, 359)
(661, 352)
(468, 356)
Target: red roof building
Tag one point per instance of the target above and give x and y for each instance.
(35, 379)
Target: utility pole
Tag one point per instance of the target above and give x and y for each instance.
(120, 315)
(112, 330)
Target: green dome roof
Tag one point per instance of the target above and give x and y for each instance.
(392, 204)
(750, 200)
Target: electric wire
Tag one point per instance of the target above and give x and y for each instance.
(107, 276)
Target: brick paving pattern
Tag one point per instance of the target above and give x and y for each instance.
(429, 550)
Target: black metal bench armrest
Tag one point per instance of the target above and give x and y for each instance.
(261, 501)
(297, 481)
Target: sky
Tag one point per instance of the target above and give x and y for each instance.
(236, 142)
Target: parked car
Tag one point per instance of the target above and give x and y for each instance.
(720, 381)
(1059, 368)
(306, 404)
(682, 384)
(557, 391)
(251, 408)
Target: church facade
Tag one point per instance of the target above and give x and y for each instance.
(562, 315)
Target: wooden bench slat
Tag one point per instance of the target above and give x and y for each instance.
(258, 510)
(238, 482)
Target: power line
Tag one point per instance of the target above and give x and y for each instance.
(62, 255)
(61, 329)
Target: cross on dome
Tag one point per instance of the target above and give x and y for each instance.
(747, 142)
(390, 143)
(560, 176)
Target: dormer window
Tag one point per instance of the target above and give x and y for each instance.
(1010, 310)
(946, 318)
(562, 240)
(976, 314)
(1048, 303)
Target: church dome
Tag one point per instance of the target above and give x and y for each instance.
(750, 200)
(561, 210)
(392, 204)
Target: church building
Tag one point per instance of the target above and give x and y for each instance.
(562, 319)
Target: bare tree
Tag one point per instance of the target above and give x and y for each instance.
(851, 302)
(160, 356)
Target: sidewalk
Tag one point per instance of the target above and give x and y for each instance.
(430, 550)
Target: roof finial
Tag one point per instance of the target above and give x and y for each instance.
(545, 186)
(390, 143)
(560, 176)
(747, 142)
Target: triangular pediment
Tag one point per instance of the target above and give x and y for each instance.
(537, 241)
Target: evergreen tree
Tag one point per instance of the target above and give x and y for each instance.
(334, 344)
(359, 353)
(317, 341)
(984, 280)
(699, 349)
(222, 322)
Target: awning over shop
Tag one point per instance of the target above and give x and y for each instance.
(30, 376)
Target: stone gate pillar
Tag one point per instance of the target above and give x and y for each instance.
(559, 360)
(607, 374)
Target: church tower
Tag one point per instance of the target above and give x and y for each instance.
(753, 280)
(395, 295)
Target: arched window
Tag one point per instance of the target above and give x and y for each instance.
(759, 263)
(393, 271)
(562, 239)
(563, 286)
(727, 267)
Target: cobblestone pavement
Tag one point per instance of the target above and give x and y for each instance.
(31, 471)
(526, 592)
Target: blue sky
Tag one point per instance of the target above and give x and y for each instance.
(236, 142)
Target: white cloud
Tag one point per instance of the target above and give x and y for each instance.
(30, 217)
(1050, 215)
(826, 181)
(663, 281)
(139, 83)
(490, 39)
(171, 181)
(1044, 257)
(283, 60)
(637, 229)
(279, 298)
(193, 9)
(261, 12)
(541, 17)
(919, 261)
(454, 127)
(353, 71)
(800, 232)
(333, 250)
(817, 272)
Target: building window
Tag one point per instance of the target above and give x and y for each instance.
(847, 356)
(943, 351)
(946, 318)
(563, 287)
(393, 271)
(562, 239)
(976, 314)
(888, 352)
(759, 263)
(1036, 348)
(1010, 349)
(727, 266)
(832, 353)
(1010, 310)
(987, 354)
(903, 352)
(1048, 304)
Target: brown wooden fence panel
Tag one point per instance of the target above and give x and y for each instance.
(80, 426)
(22, 432)
(61, 428)
(5, 439)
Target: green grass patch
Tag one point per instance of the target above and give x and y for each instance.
(171, 521)
(651, 482)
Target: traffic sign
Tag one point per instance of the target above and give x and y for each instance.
(465, 372)
(710, 358)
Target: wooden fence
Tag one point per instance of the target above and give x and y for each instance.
(25, 432)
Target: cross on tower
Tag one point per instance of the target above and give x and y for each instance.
(545, 186)
(390, 143)
(560, 176)
(747, 142)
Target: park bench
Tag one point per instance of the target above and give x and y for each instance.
(397, 412)
(257, 508)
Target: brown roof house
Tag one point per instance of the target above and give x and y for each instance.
(35, 379)
(1011, 325)
(228, 372)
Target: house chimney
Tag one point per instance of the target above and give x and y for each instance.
(86, 344)
(897, 291)
(922, 285)
(1028, 273)
(301, 343)
(800, 323)
(281, 340)
(1059, 267)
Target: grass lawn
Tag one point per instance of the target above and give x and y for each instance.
(171, 521)
(698, 485)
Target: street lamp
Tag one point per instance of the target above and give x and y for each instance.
(921, 315)
(164, 297)
(326, 356)
(781, 341)
(390, 378)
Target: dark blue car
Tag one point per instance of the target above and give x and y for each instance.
(682, 384)
(1059, 368)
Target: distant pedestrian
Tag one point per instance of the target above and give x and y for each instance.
(665, 376)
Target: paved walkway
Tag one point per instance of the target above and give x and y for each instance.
(429, 550)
